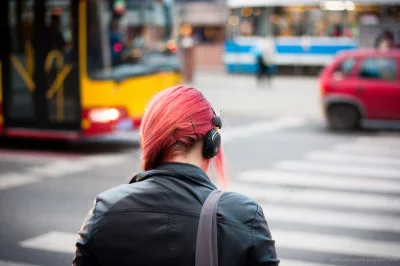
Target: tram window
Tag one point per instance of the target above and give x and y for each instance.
(247, 22)
(287, 21)
(323, 23)
(303, 20)
(328, 23)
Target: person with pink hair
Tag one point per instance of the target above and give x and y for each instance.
(154, 219)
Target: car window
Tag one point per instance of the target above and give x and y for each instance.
(346, 66)
(379, 68)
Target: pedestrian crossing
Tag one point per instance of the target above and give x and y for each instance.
(340, 202)
(348, 196)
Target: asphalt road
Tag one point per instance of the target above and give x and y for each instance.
(329, 198)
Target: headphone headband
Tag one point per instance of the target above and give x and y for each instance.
(216, 119)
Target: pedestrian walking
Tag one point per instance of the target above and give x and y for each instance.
(158, 218)
(265, 61)
(385, 41)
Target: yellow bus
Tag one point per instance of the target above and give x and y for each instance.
(71, 69)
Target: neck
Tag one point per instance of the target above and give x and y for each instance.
(187, 159)
(194, 156)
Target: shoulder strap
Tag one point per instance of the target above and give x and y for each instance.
(206, 244)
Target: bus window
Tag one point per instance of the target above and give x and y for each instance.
(98, 49)
(54, 34)
(150, 24)
(135, 37)
(59, 57)
(22, 59)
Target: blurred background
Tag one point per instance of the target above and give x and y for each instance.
(309, 92)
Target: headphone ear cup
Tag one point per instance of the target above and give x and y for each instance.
(212, 143)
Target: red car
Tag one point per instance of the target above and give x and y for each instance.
(361, 85)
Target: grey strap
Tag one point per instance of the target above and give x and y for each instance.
(206, 244)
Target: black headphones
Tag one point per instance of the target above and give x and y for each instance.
(212, 140)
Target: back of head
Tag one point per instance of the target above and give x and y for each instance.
(174, 121)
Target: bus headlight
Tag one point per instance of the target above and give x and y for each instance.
(104, 115)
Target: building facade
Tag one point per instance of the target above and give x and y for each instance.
(205, 19)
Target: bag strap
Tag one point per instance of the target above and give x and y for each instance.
(207, 241)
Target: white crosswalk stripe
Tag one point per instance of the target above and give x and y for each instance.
(341, 199)
(326, 167)
(352, 183)
(52, 241)
(337, 219)
(58, 169)
(388, 141)
(336, 244)
(261, 127)
(368, 149)
(347, 158)
(11, 180)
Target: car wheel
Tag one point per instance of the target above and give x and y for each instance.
(343, 117)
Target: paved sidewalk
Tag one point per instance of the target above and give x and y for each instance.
(240, 95)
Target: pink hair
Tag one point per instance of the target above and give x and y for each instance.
(175, 119)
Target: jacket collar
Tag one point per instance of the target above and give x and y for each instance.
(184, 171)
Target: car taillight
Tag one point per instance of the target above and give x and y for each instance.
(136, 122)
(104, 115)
(322, 87)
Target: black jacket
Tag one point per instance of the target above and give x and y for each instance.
(154, 222)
